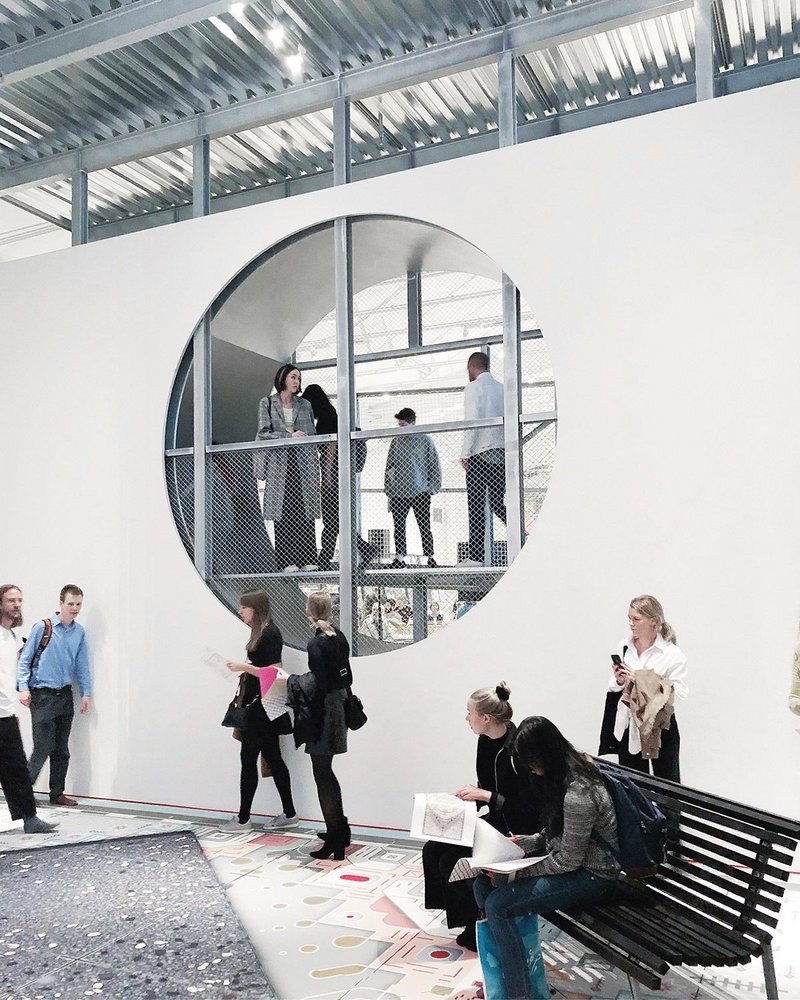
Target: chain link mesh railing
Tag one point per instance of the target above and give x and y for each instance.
(538, 445)
(179, 473)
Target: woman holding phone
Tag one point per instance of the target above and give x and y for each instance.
(262, 736)
(651, 643)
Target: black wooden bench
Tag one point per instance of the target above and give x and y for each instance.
(713, 902)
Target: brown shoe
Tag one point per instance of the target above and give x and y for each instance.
(63, 800)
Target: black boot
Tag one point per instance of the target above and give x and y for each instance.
(334, 844)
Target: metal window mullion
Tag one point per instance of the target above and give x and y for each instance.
(201, 382)
(414, 306)
(80, 208)
(343, 262)
(704, 49)
(511, 408)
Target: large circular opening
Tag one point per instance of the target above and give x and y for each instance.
(449, 458)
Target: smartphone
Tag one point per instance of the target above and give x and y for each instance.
(616, 660)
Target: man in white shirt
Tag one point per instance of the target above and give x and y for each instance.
(482, 454)
(14, 777)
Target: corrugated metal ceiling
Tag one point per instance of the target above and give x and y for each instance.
(235, 56)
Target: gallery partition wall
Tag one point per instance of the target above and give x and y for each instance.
(365, 495)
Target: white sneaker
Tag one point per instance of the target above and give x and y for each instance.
(234, 824)
(281, 822)
(309, 568)
(469, 562)
(291, 568)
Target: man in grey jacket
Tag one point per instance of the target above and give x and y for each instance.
(413, 476)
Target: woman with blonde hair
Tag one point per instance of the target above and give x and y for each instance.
(264, 649)
(506, 796)
(651, 643)
(329, 663)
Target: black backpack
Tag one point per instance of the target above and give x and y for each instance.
(641, 826)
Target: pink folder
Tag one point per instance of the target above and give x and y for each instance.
(266, 678)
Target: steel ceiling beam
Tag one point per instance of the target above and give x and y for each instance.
(541, 32)
(115, 29)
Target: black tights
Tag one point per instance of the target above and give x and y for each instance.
(265, 742)
(329, 792)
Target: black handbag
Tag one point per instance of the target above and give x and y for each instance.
(237, 714)
(354, 714)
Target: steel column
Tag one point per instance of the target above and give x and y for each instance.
(511, 408)
(201, 379)
(341, 141)
(201, 178)
(507, 99)
(80, 208)
(343, 260)
(704, 49)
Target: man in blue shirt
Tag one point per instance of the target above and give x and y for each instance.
(44, 679)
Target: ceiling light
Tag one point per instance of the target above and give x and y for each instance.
(237, 9)
(294, 62)
(276, 35)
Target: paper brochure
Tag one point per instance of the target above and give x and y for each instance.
(444, 817)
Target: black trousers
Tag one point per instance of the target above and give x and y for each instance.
(264, 739)
(14, 777)
(668, 763)
(295, 534)
(421, 505)
(51, 715)
(483, 478)
(455, 898)
(330, 526)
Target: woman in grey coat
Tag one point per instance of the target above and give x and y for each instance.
(291, 475)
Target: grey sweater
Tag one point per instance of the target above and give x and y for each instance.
(412, 467)
(587, 808)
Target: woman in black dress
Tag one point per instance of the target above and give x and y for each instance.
(510, 807)
(327, 422)
(262, 735)
(329, 664)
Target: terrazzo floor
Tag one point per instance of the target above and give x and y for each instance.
(356, 930)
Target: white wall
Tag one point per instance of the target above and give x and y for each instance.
(659, 256)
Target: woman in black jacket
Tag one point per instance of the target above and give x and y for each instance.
(329, 663)
(507, 796)
(261, 735)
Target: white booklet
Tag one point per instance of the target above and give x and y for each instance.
(492, 852)
(444, 817)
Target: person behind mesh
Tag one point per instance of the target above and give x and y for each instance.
(506, 796)
(264, 649)
(328, 423)
(291, 475)
(413, 475)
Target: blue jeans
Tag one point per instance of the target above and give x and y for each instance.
(504, 903)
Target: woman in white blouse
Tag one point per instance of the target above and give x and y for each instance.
(651, 643)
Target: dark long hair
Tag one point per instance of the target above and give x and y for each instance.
(262, 617)
(539, 743)
(320, 403)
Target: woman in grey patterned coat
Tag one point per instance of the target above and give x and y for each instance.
(577, 871)
(291, 475)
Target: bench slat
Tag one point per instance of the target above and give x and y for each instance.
(649, 977)
(684, 876)
(706, 865)
(673, 897)
(754, 848)
(732, 823)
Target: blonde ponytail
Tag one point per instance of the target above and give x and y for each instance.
(318, 609)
